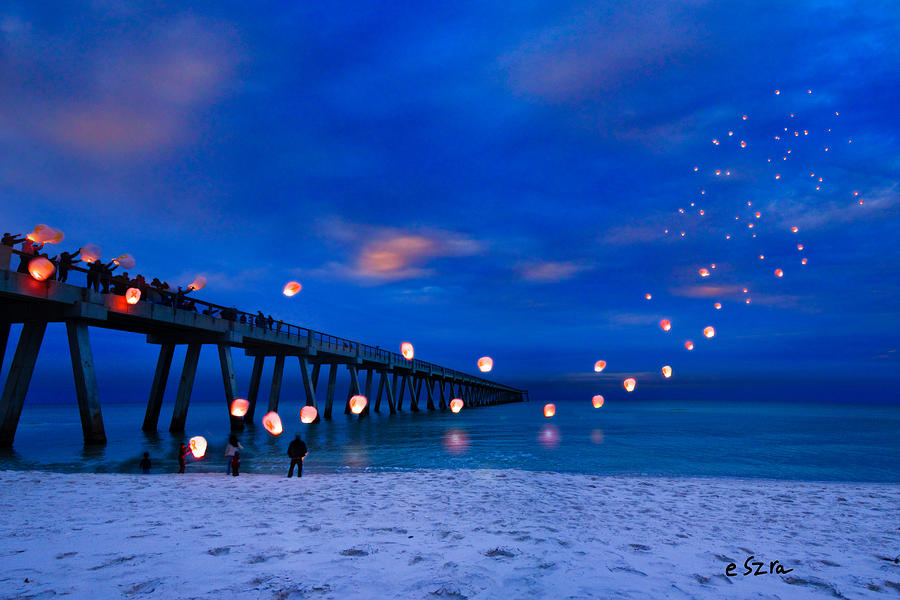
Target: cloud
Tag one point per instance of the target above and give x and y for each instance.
(705, 291)
(548, 271)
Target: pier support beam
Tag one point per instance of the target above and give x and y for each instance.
(354, 387)
(309, 383)
(443, 404)
(158, 388)
(185, 386)
(4, 338)
(85, 382)
(277, 376)
(415, 385)
(230, 382)
(403, 380)
(429, 384)
(18, 379)
(253, 390)
(329, 395)
(365, 411)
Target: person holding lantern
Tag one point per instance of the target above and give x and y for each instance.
(182, 453)
(297, 451)
(11, 240)
(66, 260)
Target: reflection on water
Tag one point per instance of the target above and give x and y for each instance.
(794, 441)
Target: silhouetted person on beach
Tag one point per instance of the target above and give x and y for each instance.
(11, 240)
(66, 260)
(230, 450)
(236, 464)
(145, 463)
(297, 451)
(182, 454)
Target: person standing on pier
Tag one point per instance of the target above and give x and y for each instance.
(230, 450)
(11, 240)
(66, 260)
(297, 451)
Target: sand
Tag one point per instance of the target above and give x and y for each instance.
(442, 534)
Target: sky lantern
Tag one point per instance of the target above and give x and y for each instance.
(90, 253)
(358, 403)
(777, 92)
(743, 144)
(44, 234)
(597, 401)
(665, 325)
(549, 410)
(292, 288)
(718, 305)
(198, 284)
(704, 272)
(406, 349)
(779, 273)
(599, 366)
(456, 405)
(689, 345)
(709, 331)
(308, 414)
(197, 444)
(41, 268)
(794, 229)
(239, 407)
(272, 422)
(648, 296)
(803, 261)
(762, 257)
(747, 301)
(629, 384)
(132, 295)
(485, 364)
(800, 247)
(667, 371)
(126, 261)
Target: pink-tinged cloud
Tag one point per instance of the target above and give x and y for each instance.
(548, 271)
(705, 291)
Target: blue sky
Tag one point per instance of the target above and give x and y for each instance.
(483, 178)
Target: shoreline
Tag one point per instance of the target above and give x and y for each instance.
(441, 534)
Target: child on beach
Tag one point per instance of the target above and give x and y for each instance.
(236, 464)
(145, 463)
(230, 450)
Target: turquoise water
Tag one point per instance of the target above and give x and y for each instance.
(768, 440)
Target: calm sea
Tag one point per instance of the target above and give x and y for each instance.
(768, 440)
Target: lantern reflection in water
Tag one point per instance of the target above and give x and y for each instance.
(456, 441)
(549, 436)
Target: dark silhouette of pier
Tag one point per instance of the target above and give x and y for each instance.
(169, 321)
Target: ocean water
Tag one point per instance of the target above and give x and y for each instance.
(834, 442)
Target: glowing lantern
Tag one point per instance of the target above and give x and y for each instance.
(132, 295)
(667, 371)
(779, 273)
(794, 229)
(777, 92)
(456, 405)
(239, 407)
(272, 423)
(197, 444)
(198, 284)
(549, 410)
(746, 290)
(485, 364)
(704, 272)
(597, 401)
(802, 261)
(291, 288)
(45, 234)
(126, 261)
(709, 331)
(308, 414)
(648, 296)
(718, 305)
(800, 247)
(90, 253)
(406, 349)
(599, 366)
(665, 325)
(762, 257)
(747, 301)
(357, 404)
(41, 268)
(629, 384)
(712, 266)
(743, 144)
(689, 345)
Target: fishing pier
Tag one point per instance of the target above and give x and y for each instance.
(32, 303)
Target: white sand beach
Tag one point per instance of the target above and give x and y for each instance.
(441, 534)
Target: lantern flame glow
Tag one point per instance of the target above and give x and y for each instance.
(308, 414)
(292, 288)
(198, 284)
(358, 403)
(239, 407)
(197, 444)
(272, 422)
(90, 253)
(41, 269)
(126, 261)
